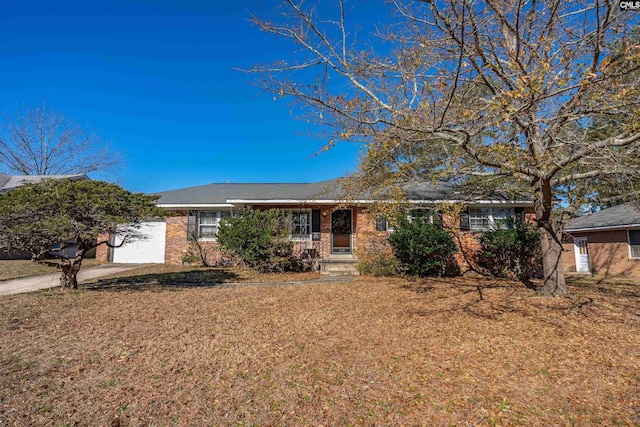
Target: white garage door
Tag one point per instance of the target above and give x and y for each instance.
(149, 250)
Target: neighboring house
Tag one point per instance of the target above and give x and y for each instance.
(9, 182)
(606, 242)
(321, 223)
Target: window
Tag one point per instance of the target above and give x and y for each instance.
(502, 218)
(419, 214)
(634, 243)
(382, 224)
(300, 224)
(429, 215)
(204, 224)
(478, 219)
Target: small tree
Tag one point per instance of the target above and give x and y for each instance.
(512, 252)
(257, 237)
(198, 251)
(73, 214)
(422, 248)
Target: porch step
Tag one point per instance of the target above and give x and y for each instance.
(339, 265)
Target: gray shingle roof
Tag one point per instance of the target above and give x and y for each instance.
(615, 217)
(8, 182)
(219, 193)
(329, 190)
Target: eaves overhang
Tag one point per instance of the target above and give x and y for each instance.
(603, 228)
(194, 205)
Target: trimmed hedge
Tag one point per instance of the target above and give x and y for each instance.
(258, 238)
(423, 249)
(512, 252)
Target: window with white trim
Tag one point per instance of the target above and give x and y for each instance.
(479, 219)
(204, 224)
(382, 224)
(502, 218)
(299, 224)
(425, 214)
(634, 243)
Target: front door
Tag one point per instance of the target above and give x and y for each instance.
(341, 231)
(582, 254)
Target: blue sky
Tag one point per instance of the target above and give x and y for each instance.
(159, 81)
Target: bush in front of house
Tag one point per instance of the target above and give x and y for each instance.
(422, 249)
(377, 264)
(514, 252)
(258, 238)
(376, 259)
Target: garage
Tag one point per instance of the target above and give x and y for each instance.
(149, 250)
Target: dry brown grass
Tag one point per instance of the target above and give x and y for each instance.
(14, 269)
(372, 352)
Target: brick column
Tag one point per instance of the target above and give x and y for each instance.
(176, 242)
(103, 252)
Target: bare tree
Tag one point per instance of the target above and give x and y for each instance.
(502, 94)
(40, 141)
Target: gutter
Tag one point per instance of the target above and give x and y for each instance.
(603, 228)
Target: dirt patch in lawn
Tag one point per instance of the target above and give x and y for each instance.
(371, 352)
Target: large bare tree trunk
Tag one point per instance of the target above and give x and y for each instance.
(554, 283)
(70, 268)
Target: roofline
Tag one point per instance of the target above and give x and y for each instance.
(232, 202)
(606, 227)
(194, 205)
(365, 201)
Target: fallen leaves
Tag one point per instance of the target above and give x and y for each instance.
(371, 352)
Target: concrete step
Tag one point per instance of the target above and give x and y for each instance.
(342, 266)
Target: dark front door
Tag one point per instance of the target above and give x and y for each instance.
(341, 231)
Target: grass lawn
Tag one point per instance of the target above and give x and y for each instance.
(164, 274)
(371, 352)
(14, 269)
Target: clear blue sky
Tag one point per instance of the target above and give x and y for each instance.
(158, 80)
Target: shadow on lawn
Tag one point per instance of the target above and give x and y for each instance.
(184, 279)
(491, 298)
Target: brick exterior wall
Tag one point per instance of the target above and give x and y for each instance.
(325, 230)
(368, 238)
(365, 236)
(103, 252)
(176, 242)
(608, 254)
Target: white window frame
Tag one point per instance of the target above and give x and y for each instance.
(217, 216)
(290, 226)
(490, 218)
(387, 227)
(430, 214)
(633, 247)
(511, 215)
(480, 217)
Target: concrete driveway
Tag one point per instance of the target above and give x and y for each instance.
(46, 281)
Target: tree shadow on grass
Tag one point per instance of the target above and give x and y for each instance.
(199, 278)
(490, 298)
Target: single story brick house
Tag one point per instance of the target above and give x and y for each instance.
(605, 242)
(320, 222)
